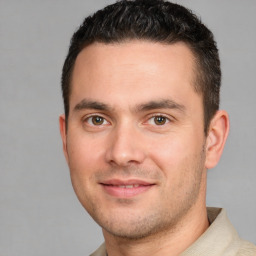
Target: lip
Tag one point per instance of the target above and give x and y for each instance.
(125, 188)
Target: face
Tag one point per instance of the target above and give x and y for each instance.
(135, 141)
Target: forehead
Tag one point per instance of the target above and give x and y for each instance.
(137, 68)
(137, 53)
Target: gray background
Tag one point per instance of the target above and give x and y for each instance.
(39, 212)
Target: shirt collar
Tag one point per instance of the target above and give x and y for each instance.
(220, 238)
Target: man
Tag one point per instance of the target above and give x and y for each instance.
(141, 127)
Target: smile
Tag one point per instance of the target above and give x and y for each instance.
(126, 186)
(125, 189)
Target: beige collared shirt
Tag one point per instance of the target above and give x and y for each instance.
(220, 239)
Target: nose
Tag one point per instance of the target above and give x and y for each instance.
(125, 147)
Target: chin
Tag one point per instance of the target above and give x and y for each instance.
(128, 234)
(135, 228)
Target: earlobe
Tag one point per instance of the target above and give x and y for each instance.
(62, 126)
(216, 138)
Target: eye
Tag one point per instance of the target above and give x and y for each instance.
(158, 120)
(96, 120)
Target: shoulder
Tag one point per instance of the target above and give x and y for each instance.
(246, 249)
(101, 251)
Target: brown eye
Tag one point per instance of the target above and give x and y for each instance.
(97, 120)
(160, 120)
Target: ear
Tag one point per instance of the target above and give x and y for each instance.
(216, 138)
(63, 133)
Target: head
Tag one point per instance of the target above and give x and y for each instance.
(155, 21)
(141, 126)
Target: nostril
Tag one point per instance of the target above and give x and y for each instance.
(123, 148)
(124, 156)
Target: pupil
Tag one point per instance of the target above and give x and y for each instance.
(97, 120)
(160, 120)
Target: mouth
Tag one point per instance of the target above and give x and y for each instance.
(126, 188)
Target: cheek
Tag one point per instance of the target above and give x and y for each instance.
(168, 152)
(84, 152)
(175, 155)
(84, 158)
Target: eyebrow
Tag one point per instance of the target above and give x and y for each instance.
(164, 104)
(151, 105)
(88, 104)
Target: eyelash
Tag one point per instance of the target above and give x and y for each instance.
(87, 118)
(151, 117)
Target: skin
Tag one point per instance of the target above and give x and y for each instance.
(135, 118)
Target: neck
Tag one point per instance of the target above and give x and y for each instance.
(172, 242)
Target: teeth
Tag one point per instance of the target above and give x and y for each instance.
(128, 186)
